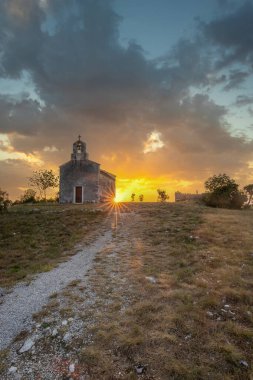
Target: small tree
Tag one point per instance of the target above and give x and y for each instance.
(4, 200)
(28, 196)
(42, 180)
(162, 195)
(141, 197)
(223, 192)
(220, 182)
(249, 191)
(132, 197)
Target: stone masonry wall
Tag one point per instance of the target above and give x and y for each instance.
(79, 173)
(106, 187)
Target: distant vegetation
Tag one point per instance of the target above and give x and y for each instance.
(162, 195)
(4, 200)
(43, 180)
(249, 191)
(132, 197)
(140, 197)
(223, 192)
(29, 196)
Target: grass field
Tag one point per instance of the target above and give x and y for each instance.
(172, 292)
(34, 238)
(180, 299)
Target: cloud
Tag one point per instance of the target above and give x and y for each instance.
(20, 171)
(236, 78)
(243, 100)
(233, 33)
(51, 149)
(153, 142)
(86, 82)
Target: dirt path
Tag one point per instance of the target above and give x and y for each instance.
(18, 306)
(164, 291)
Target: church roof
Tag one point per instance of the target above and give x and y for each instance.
(108, 174)
(86, 161)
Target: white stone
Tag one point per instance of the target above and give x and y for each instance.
(151, 279)
(72, 368)
(54, 332)
(244, 363)
(64, 323)
(12, 369)
(27, 345)
(66, 337)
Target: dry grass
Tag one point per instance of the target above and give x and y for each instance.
(172, 292)
(35, 238)
(3, 356)
(177, 298)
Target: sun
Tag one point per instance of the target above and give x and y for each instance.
(118, 197)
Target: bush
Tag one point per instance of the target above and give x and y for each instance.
(223, 192)
(249, 191)
(28, 196)
(162, 195)
(4, 201)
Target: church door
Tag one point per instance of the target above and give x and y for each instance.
(79, 195)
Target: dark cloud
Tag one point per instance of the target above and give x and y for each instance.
(23, 116)
(233, 33)
(243, 100)
(113, 95)
(250, 111)
(227, 4)
(236, 79)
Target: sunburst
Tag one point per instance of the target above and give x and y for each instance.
(113, 206)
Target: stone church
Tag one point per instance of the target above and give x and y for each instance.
(82, 180)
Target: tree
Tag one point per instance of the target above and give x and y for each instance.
(223, 192)
(28, 196)
(249, 191)
(220, 182)
(42, 180)
(141, 197)
(132, 197)
(4, 200)
(162, 195)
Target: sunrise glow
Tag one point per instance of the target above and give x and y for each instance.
(153, 107)
(148, 188)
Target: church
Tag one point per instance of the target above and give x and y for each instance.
(82, 180)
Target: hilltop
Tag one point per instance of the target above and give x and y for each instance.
(168, 294)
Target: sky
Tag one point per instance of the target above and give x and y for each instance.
(161, 91)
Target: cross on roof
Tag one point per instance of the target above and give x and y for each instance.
(79, 138)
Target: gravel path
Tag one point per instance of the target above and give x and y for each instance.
(18, 306)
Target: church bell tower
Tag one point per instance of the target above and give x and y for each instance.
(79, 151)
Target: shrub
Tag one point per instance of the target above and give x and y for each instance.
(28, 196)
(162, 195)
(249, 192)
(4, 200)
(223, 192)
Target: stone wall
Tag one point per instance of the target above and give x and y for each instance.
(179, 197)
(79, 173)
(106, 186)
